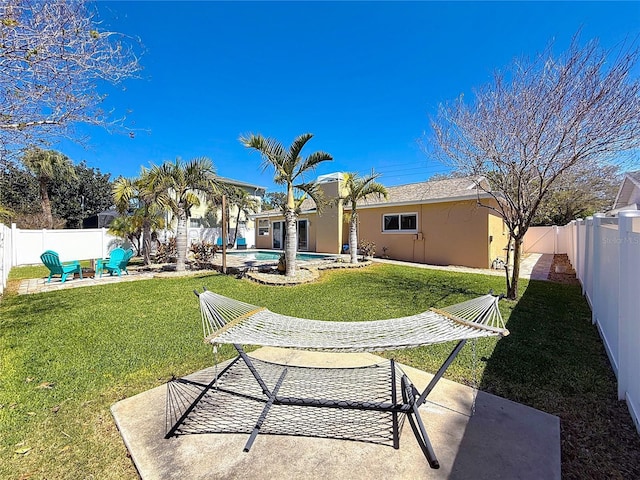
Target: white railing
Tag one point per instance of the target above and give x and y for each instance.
(605, 252)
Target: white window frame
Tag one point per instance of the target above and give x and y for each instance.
(261, 227)
(400, 215)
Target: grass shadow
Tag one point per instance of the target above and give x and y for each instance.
(554, 361)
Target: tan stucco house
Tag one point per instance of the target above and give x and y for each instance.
(437, 222)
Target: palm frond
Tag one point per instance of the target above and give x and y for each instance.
(313, 190)
(298, 144)
(313, 160)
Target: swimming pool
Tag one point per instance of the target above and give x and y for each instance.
(274, 256)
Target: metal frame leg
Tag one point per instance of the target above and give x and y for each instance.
(416, 423)
(265, 411)
(188, 411)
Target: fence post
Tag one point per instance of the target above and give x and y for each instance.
(628, 300)
(103, 239)
(14, 245)
(579, 248)
(588, 259)
(595, 284)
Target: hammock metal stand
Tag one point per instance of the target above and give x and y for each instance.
(250, 395)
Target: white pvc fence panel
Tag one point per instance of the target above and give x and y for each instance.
(5, 255)
(606, 281)
(606, 255)
(628, 371)
(540, 240)
(87, 244)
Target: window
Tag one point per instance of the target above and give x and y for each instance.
(263, 227)
(195, 222)
(400, 222)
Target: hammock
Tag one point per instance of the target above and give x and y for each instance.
(210, 404)
(230, 321)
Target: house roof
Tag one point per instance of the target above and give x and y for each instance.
(630, 184)
(239, 183)
(437, 191)
(428, 192)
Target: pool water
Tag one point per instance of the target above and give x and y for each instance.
(274, 256)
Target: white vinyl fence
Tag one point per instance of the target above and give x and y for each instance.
(605, 252)
(5, 255)
(24, 247)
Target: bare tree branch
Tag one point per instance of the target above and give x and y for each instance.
(539, 119)
(54, 56)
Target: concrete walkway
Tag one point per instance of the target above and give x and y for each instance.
(534, 266)
(501, 440)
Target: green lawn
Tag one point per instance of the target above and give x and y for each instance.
(67, 356)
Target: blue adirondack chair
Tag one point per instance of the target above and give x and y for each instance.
(241, 243)
(52, 261)
(219, 242)
(117, 262)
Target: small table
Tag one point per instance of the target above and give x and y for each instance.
(99, 265)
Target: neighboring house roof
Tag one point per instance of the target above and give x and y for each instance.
(629, 193)
(256, 188)
(437, 191)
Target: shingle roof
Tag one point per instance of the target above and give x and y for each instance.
(306, 205)
(422, 192)
(430, 192)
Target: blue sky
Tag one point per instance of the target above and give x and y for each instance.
(363, 77)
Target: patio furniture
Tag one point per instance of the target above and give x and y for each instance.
(241, 243)
(229, 321)
(219, 242)
(116, 263)
(52, 261)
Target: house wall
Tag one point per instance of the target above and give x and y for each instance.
(452, 233)
(634, 198)
(328, 224)
(498, 238)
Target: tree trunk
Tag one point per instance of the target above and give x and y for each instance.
(353, 237)
(290, 242)
(515, 273)
(146, 241)
(46, 204)
(235, 234)
(181, 240)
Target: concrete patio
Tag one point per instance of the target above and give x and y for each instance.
(501, 439)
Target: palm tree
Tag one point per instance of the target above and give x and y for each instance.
(245, 203)
(146, 198)
(289, 168)
(358, 188)
(184, 183)
(47, 165)
(128, 227)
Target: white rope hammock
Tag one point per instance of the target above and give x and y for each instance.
(230, 321)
